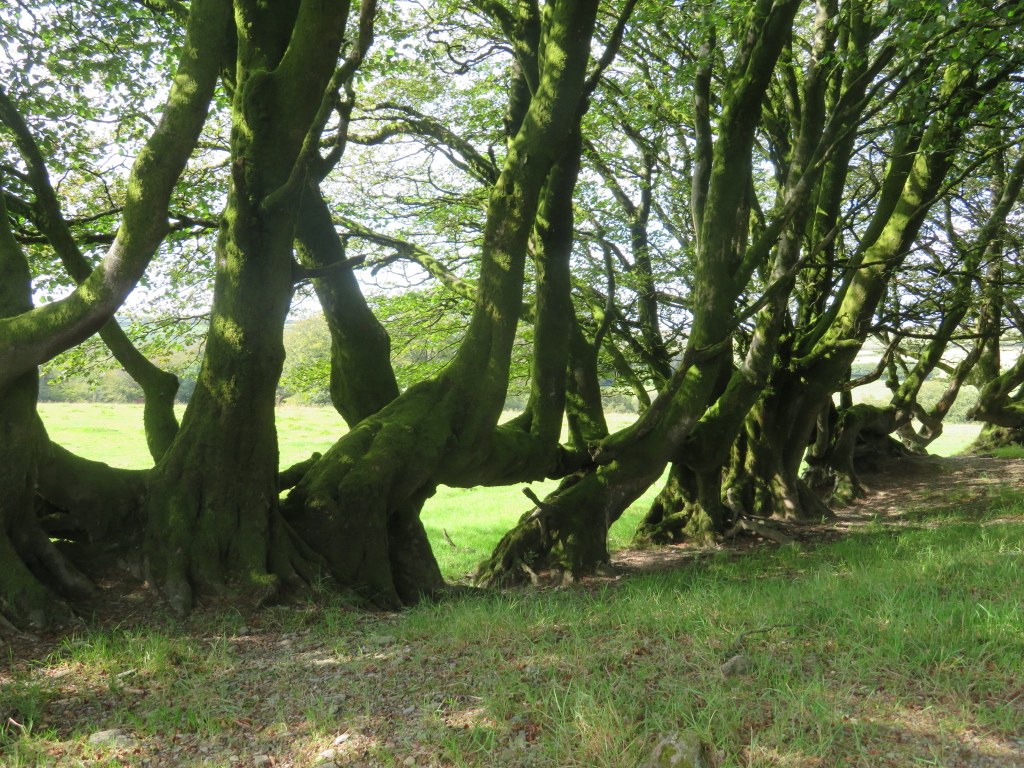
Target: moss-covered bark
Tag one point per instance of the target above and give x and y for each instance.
(89, 500)
(578, 515)
(158, 386)
(34, 577)
(362, 379)
(689, 506)
(780, 428)
(993, 436)
(32, 337)
(212, 511)
(356, 507)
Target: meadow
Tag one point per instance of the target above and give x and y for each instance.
(474, 518)
(896, 646)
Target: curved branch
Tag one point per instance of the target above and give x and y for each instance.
(36, 336)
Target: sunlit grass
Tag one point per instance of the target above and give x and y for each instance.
(954, 439)
(892, 647)
(475, 518)
(114, 433)
(1009, 452)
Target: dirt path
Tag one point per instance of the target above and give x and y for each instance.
(911, 492)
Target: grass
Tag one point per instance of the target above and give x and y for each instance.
(894, 646)
(1009, 452)
(954, 439)
(475, 518)
(113, 433)
(890, 647)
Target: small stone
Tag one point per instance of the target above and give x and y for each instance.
(737, 665)
(409, 760)
(679, 751)
(114, 737)
(382, 639)
(342, 739)
(327, 755)
(242, 630)
(262, 760)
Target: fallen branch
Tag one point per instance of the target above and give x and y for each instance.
(742, 635)
(761, 530)
(452, 544)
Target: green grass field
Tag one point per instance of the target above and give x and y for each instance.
(893, 647)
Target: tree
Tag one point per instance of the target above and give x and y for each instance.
(575, 520)
(718, 212)
(360, 501)
(30, 336)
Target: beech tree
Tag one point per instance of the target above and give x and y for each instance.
(718, 212)
(211, 517)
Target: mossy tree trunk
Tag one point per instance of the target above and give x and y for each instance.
(36, 336)
(362, 383)
(355, 506)
(159, 387)
(859, 439)
(34, 577)
(1000, 400)
(212, 512)
(568, 532)
(783, 423)
(689, 506)
(33, 572)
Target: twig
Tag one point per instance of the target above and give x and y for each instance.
(453, 545)
(540, 515)
(742, 635)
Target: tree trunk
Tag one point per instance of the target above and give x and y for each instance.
(34, 576)
(357, 506)
(763, 478)
(568, 532)
(212, 514)
(689, 506)
(212, 511)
